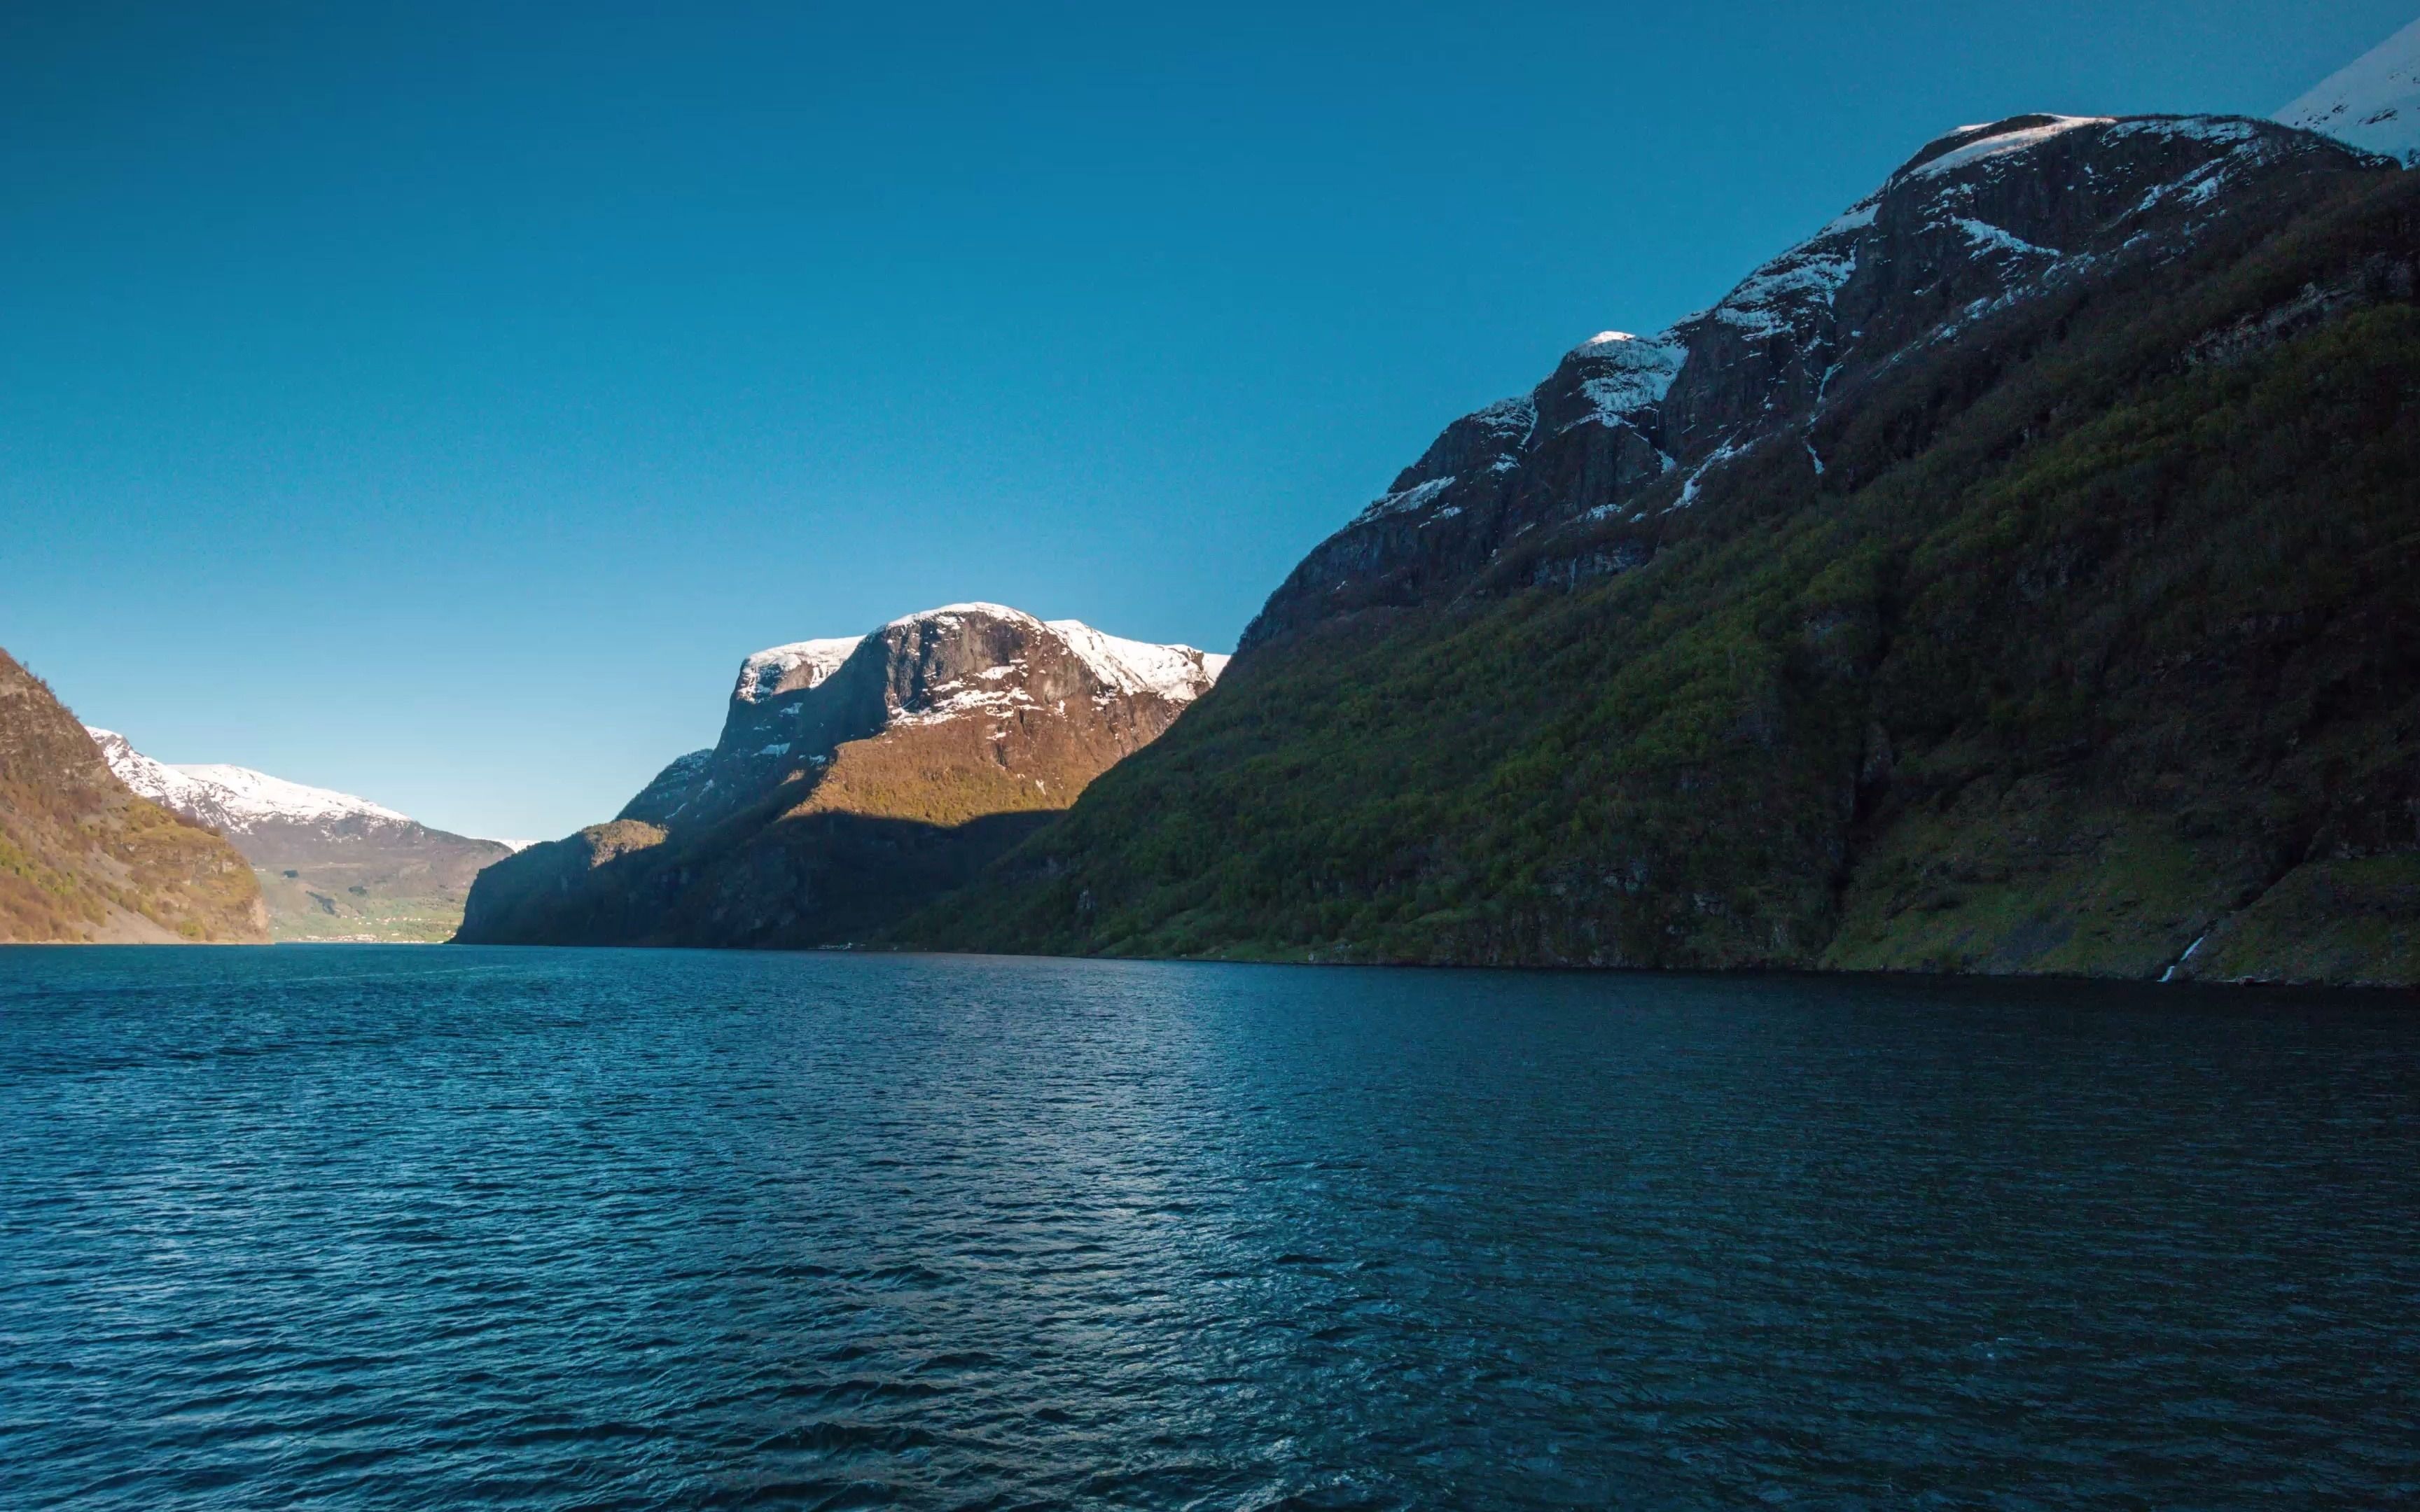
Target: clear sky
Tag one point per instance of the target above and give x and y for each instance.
(436, 402)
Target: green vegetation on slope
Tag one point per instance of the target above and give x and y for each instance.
(2096, 639)
(83, 859)
(318, 905)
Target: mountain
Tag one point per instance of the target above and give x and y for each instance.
(855, 779)
(2013, 577)
(1980, 222)
(331, 866)
(84, 859)
(2372, 102)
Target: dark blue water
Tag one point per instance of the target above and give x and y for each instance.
(464, 1229)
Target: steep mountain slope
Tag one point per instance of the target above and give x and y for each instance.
(854, 779)
(1981, 222)
(2013, 577)
(2372, 102)
(82, 858)
(331, 866)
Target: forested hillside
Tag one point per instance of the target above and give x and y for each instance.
(2082, 638)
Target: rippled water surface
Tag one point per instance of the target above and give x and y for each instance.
(364, 1227)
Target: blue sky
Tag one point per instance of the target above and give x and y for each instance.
(436, 402)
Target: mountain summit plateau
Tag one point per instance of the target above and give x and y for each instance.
(855, 778)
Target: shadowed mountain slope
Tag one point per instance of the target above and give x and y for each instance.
(2015, 578)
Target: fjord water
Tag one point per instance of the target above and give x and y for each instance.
(385, 1227)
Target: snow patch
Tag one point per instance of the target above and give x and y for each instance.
(762, 675)
(957, 612)
(1177, 673)
(956, 701)
(2372, 102)
(1855, 218)
(1689, 489)
(1629, 374)
(1404, 500)
(1807, 275)
(2223, 131)
(1506, 416)
(2023, 139)
(1984, 234)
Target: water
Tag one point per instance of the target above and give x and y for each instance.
(378, 1227)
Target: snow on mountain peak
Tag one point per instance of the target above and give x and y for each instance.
(765, 674)
(1626, 373)
(997, 611)
(1177, 673)
(1998, 139)
(2372, 102)
(233, 798)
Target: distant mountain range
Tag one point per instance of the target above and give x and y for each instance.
(330, 866)
(855, 779)
(84, 859)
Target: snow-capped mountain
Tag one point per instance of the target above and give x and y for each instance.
(787, 668)
(2372, 102)
(331, 865)
(235, 800)
(1180, 674)
(2047, 510)
(1629, 428)
(855, 778)
(85, 860)
(792, 705)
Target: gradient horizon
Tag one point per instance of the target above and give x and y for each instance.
(436, 403)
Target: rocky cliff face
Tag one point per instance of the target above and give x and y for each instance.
(84, 859)
(1628, 429)
(853, 778)
(1045, 706)
(330, 866)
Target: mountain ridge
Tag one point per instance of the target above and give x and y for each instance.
(1917, 608)
(1644, 425)
(854, 778)
(331, 866)
(2372, 102)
